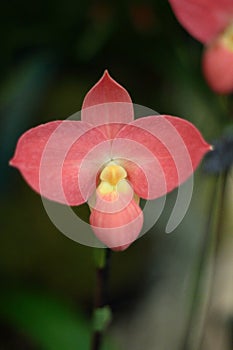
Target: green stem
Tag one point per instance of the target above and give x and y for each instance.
(102, 313)
(209, 248)
(217, 246)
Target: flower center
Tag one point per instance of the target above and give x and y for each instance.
(227, 37)
(112, 180)
(113, 173)
(113, 188)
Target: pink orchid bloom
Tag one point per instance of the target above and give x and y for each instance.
(211, 22)
(109, 160)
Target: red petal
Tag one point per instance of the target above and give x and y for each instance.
(92, 163)
(111, 130)
(175, 148)
(107, 102)
(143, 179)
(49, 158)
(139, 162)
(118, 230)
(203, 19)
(218, 67)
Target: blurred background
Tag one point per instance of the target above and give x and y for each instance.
(167, 291)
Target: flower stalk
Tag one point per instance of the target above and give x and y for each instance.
(102, 312)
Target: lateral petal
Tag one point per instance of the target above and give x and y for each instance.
(166, 151)
(49, 158)
(145, 172)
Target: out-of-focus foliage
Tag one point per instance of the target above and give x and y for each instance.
(50, 323)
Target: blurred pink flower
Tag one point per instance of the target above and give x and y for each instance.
(211, 22)
(109, 160)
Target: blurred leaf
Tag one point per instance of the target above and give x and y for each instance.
(93, 39)
(51, 323)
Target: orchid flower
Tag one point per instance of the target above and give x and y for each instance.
(211, 22)
(109, 160)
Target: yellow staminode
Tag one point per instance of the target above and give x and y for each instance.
(107, 191)
(113, 173)
(114, 184)
(227, 37)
